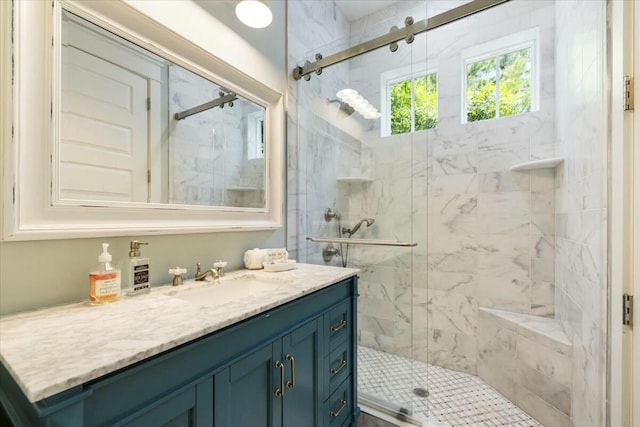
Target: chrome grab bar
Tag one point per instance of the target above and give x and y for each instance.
(362, 241)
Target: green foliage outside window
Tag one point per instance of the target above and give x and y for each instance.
(414, 104)
(506, 78)
(401, 107)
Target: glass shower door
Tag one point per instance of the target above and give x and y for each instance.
(360, 188)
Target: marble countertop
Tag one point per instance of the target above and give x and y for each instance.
(54, 349)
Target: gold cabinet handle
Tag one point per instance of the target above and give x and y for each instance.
(280, 391)
(343, 363)
(343, 404)
(291, 360)
(341, 325)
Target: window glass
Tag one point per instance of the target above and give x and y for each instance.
(414, 104)
(426, 101)
(499, 86)
(515, 83)
(481, 90)
(401, 107)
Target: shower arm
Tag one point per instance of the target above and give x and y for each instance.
(407, 33)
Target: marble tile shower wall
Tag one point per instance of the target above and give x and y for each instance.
(206, 149)
(485, 234)
(319, 149)
(581, 200)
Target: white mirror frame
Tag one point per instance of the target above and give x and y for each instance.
(31, 122)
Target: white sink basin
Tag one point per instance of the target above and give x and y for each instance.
(231, 289)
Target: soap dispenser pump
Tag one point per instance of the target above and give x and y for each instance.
(137, 279)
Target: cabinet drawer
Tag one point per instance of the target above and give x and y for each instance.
(339, 406)
(337, 323)
(336, 368)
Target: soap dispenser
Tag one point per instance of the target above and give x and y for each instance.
(104, 279)
(137, 275)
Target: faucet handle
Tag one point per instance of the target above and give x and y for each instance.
(219, 266)
(177, 275)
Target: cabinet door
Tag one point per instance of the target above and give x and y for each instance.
(303, 392)
(177, 411)
(245, 391)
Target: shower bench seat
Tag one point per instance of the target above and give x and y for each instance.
(528, 359)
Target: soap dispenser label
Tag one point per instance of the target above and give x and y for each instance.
(105, 284)
(140, 277)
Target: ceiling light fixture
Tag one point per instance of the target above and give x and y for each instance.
(254, 13)
(358, 103)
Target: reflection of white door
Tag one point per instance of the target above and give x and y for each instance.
(103, 133)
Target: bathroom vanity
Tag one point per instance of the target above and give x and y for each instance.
(282, 354)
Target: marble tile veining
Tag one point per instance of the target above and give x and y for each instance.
(79, 342)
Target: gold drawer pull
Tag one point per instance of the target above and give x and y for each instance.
(292, 361)
(343, 404)
(280, 391)
(341, 325)
(343, 363)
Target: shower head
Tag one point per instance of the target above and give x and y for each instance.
(344, 107)
(351, 231)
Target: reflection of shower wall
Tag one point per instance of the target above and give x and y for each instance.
(206, 149)
(485, 234)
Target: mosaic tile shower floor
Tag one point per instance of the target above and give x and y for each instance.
(455, 398)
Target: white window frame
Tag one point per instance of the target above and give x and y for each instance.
(514, 42)
(389, 78)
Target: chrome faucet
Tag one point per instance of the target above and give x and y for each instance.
(352, 231)
(202, 275)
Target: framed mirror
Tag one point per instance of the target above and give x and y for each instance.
(139, 139)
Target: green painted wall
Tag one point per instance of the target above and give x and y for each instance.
(35, 274)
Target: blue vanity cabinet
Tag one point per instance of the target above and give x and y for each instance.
(243, 392)
(277, 385)
(180, 409)
(304, 348)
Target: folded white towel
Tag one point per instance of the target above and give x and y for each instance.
(254, 258)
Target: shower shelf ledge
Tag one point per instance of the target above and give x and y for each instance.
(353, 179)
(538, 164)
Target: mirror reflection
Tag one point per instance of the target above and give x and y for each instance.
(136, 127)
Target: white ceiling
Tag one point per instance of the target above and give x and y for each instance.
(355, 9)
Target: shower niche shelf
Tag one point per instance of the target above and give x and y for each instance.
(354, 179)
(549, 163)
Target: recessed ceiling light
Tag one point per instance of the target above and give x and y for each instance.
(254, 13)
